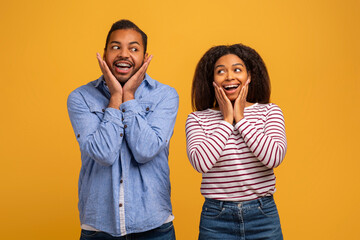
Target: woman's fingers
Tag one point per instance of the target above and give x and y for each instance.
(223, 95)
(245, 90)
(219, 97)
(216, 88)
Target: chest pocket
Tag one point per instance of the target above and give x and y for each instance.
(147, 108)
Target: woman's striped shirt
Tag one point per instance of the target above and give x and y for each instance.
(237, 161)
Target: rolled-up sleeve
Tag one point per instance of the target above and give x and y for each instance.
(99, 132)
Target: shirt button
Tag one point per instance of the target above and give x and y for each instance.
(121, 134)
(78, 135)
(122, 119)
(147, 109)
(123, 110)
(103, 110)
(125, 126)
(121, 181)
(120, 205)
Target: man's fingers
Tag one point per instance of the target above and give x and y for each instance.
(100, 61)
(103, 66)
(148, 58)
(142, 70)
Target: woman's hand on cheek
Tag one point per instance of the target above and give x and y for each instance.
(225, 105)
(240, 102)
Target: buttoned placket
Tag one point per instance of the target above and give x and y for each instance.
(122, 208)
(122, 198)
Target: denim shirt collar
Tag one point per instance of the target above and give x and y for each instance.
(101, 81)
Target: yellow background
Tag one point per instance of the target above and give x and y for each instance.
(312, 52)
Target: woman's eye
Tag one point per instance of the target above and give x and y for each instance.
(220, 71)
(237, 70)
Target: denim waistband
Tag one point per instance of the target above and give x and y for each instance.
(247, 204)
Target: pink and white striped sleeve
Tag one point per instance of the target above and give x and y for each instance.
(204, 150)
(268, 145)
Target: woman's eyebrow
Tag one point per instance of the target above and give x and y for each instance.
(219, 66)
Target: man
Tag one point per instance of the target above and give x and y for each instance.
(123, 122)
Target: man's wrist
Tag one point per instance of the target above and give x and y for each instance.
(115, 102)
(128, 96)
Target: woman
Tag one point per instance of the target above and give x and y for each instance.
(235, 138)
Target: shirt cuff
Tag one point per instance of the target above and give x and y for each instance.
(130, 108)
(241, 125)
(227, 127)
(113, 115)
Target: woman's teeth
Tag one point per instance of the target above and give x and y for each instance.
(228, 87)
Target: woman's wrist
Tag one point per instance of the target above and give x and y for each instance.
(229, 120)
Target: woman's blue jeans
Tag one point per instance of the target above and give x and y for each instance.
(249, 220)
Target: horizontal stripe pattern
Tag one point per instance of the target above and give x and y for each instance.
(237, 161)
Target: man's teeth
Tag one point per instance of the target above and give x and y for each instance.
(230, 86)
(123, 65)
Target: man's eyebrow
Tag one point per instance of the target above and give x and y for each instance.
(130, 43)
(134, 42)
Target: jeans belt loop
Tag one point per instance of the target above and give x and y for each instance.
(260, 201)
(221, 204)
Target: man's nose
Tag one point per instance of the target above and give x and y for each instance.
(124, 53)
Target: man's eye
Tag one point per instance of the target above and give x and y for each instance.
(115, 47)
(133, 49)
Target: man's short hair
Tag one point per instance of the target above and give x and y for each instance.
(126, 24)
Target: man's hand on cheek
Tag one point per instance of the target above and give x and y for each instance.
(134, 82)
(113, 84)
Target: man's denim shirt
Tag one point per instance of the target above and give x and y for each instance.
(130, 144)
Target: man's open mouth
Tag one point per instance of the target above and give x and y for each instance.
(122, 67)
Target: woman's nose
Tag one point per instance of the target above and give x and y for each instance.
(230, 75)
